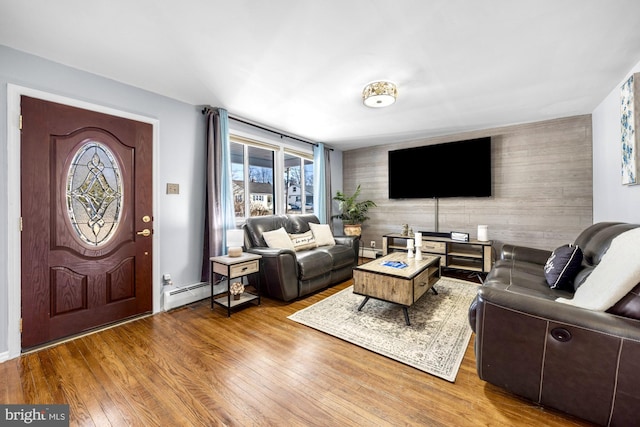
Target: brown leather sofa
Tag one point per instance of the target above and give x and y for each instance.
(286, 274)
(585, 363)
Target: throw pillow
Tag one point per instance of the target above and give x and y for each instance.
(617, 273)
(563, 266)
(278, 239)
(322, 233)
(303, 241)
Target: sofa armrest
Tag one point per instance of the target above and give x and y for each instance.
(524, 254)
(353, 242)
(350, 241)
(550, 310)
(270, 252)
(278, 272)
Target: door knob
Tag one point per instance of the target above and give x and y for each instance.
(146, 232)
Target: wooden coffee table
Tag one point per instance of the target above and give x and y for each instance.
(402, 286)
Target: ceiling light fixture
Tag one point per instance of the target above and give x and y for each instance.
(379, 94)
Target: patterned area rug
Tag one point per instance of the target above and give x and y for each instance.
(435, 342)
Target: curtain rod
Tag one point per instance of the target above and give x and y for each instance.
(282, 135)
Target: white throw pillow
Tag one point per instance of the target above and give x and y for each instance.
(303, 241)
(322, 233)
(278, 239)
(617, 273)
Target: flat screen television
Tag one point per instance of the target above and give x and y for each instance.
(453, 169)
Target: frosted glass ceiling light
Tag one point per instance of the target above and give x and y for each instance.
(379, 94)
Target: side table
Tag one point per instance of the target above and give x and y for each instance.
(233, 268)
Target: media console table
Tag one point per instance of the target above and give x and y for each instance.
(474, 255)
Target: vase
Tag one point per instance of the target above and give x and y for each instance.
(352, 229)
(237, 296)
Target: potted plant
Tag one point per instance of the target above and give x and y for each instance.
(352, 213)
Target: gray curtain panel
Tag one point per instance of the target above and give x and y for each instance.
(213, 222)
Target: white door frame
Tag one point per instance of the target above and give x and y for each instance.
(14, 290)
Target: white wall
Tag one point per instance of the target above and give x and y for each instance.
(612, 201)
(180, 153)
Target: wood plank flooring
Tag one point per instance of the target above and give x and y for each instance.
(196, 367)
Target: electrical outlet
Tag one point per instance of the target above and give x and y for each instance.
(166, 279)
(373, 243)
(173, 188)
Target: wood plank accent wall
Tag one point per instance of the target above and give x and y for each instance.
(542, 187)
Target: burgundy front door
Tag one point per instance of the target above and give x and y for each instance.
(86, 206)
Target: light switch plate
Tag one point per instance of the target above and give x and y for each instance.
(173, 188)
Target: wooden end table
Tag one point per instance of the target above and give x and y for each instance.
(402, 286)
(233, 268)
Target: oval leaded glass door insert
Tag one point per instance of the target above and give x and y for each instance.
(94, 193)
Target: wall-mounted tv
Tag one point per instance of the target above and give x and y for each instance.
(453, 169)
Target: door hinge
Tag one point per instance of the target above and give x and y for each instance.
(21, 224)
(20, 122)
(21, 325)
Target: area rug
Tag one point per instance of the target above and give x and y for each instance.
(435, 342)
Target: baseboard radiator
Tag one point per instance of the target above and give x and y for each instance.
(179, 296)
(370, 253)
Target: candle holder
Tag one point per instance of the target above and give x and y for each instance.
(410, 252)
(418, 246)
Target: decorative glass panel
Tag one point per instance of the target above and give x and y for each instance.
(94, 193)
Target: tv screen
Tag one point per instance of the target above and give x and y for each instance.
(453, 169)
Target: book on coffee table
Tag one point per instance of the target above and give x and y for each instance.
(394, 264)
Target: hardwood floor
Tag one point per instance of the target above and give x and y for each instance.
(196, 367)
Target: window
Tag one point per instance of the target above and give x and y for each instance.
(308, 185)
(252, 174)
(254, 168)
(298, 182)
(237, 179)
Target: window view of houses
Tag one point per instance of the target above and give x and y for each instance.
(253, 169)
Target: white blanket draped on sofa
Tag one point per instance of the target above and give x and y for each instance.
(617, 273)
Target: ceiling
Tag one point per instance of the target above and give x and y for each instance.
(299, 66)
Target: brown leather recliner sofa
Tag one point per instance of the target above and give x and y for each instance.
(286, 274)
(583, 362)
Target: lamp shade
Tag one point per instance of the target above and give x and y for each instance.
(379, 94)
(235, 241)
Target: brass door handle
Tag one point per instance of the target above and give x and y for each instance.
(146, 232)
